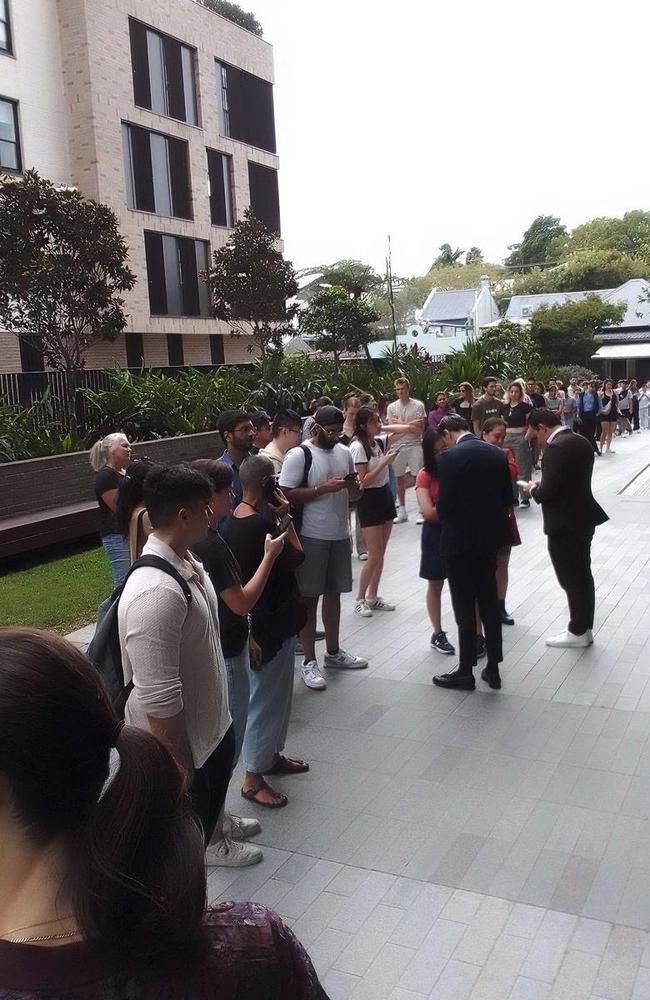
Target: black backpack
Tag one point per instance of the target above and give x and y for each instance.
(297, 509)
(104, 651)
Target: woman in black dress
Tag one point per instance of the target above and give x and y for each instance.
(609, 414)
(465, 401)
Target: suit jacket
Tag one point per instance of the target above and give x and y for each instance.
(475, 493)
(568, 505)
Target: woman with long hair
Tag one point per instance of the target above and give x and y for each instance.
(465, 401)
(441, 409)
(103, 885)
(109, 458)
(375, 510)
(609, 414)
(494, 432)
(432, 565)
(515, 414)
(131, 518)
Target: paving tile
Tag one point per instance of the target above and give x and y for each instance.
(456, 981)
(591, 936)
(430, 959)
(369, 940)
(417, 921)
(529, 989)
(620, 964)
(339, 985)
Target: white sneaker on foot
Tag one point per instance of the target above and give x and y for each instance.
(419, 519)
(567, 640)
(363, 557)
(401, 516)
(239, 828)
(311, 675)
(362, 609)
(379, 604)
(229, 854)
(344, 661)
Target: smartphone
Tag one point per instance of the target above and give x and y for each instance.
(523, 483)
(350, 478)
(285, 522)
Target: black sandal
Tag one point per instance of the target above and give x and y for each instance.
(288, 765)
(252, 794)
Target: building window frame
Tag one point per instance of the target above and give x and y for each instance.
(5, 19)
(263, 184)
(177, 200)
(13, 103)
(229, 106)
(188, 75)
(227, 173)
(174, 264)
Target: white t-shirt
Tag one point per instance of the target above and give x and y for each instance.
(327, 516)
(403, 413)
(359, 457)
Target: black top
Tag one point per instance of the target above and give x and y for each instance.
(537, 399)
(105, 480)
(475, 494)
(280, 611)
(463, 408)
(224, 571)
(568, 505)
(515, 416)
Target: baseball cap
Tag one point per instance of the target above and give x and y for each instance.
(326, 415)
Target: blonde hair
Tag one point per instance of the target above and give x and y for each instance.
(402, 381)
(101, 449)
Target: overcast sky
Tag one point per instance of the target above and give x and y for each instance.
(453, 122)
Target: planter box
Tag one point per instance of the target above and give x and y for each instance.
(49, 500)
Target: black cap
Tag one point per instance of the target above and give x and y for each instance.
(327, 415)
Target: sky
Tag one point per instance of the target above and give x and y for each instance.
(453, 122)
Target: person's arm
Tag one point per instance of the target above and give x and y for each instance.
(110, 499)
(241, 598)
(446, 501)
(551, 485)
(512, 465)
(426, 505)
(172, 732)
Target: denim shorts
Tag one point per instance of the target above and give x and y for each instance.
(327, 567)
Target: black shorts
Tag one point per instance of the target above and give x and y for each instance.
(432, 564)
(376, 506)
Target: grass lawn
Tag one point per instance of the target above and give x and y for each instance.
(61, 594)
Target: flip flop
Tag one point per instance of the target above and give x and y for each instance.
(287, 765)
(252, 794)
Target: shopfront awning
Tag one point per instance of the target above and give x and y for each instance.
(621, 352)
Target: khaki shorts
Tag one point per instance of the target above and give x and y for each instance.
(408, 458)
(327, 567)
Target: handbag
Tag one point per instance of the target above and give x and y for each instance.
(606, 409)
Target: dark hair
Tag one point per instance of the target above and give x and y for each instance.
(453, 422)
(228, 420)
(486, 381)
(130, 493)
(491, 423)
(365, 398)
(541, 416)
(286, 418)
(219, 474)
(364, 414)
(430, 439)
(260, 418)
(169, 488)
(516, 385)
(137, 878)
(541, 387)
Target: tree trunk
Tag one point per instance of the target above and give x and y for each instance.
(71, 384)
(336, 361)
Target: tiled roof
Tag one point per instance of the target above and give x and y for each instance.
(455, 304)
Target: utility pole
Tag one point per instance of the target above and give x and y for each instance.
(391, 300)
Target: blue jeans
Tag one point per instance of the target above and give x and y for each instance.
(238, 672)
(119, 559)
(269, 709)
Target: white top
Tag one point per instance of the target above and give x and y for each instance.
(327, 516)
(359, 458)
(558, 430)
(172, 652)
(403, 413)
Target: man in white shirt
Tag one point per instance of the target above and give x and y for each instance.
(323, 495)
(171, 651)
(287, 433)
(409, 449)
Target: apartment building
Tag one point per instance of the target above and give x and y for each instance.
(162, 110)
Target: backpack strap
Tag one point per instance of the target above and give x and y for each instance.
(308, 461)
(157, 562)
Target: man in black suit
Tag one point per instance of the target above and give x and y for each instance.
(475, 492)
(570, 518)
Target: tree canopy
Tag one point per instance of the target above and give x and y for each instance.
(474, 256)
(564, 334)
(628, 235)
(338, 322)
(448, 257)
(582, 271)
(235, 13)
(356, 277)
(543, 241)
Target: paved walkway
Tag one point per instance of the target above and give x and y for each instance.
(493, 845)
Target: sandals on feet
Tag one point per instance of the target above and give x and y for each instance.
(288, 765)
(279, 802)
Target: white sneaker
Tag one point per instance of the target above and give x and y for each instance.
(379, 604)
(229, 854)
(401, 516)
(311, 675)
(590, 635)
(419, 519)
(344, 661)
(238, 828)
(567, 640)
(362, 609)
(363, 557)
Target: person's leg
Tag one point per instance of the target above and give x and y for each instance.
(635, 415)
(266, 716)
(503, 560)
(238, 674)
(119, 558)
(366, 587)
(286, 656)
(308, 632)
(210, 784)
(358, 535)
(571, 558)
(332, 618)
(486, 593)
(463, 600)
(433, 598)
(401, 491)
(311, 576)
(386, 530)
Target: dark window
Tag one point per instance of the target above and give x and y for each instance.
(216, 349)
(174, 266)
(134, 350)
(245, 105)
(156, 169)
(265, 201)
(31, 357)
(9, 139)
(175, 350)
(6, 44)
(163, 74)
(220, 187)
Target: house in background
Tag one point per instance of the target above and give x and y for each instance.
(624, 350)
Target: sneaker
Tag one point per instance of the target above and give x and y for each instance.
(363, 557)
(311, 675)
(419, 519)
(567, 640)
(481, 648)
(239, 828)
(344, 661)
(379, 604)
(229, 854)
(362, 608)
(524, 504)
(441, 644)
(401, 516)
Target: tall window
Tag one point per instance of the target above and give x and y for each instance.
(220, 188)
(10, 158)
(174, 264)
(175, 350)
(6, 44)
(156, 169)
(265, 201)
(163, 74)
(245, 105)
(134, 350)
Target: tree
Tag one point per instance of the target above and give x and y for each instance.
(564, 334)
(250, 283)
(338, 322)
(62, 269)
(447, 257)
(629, 235)
(356, 277)
(474, 256)
(582, 271)
(236, 14)
(515, 342)
(542, 242)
